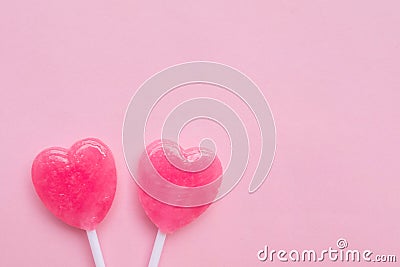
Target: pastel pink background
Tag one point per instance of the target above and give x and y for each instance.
(330, 71)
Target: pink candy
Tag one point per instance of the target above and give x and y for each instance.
(166, 217)
(78, 184)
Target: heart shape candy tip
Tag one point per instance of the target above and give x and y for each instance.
(169, 218)
(77, 184)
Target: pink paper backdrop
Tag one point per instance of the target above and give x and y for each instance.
(329, 69)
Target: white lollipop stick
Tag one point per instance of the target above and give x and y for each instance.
(95, 246)
(157, 249)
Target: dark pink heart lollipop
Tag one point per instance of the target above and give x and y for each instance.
(77, 185)
(166, 217)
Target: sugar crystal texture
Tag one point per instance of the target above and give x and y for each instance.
(78, 184)
(166, 217)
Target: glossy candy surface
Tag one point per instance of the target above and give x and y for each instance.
(78, 184)
(166, 217)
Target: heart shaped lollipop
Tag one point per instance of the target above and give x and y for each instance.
(77, 185)
(166, 217)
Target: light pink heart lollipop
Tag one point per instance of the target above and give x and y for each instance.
(166, 217)
(77, 185)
